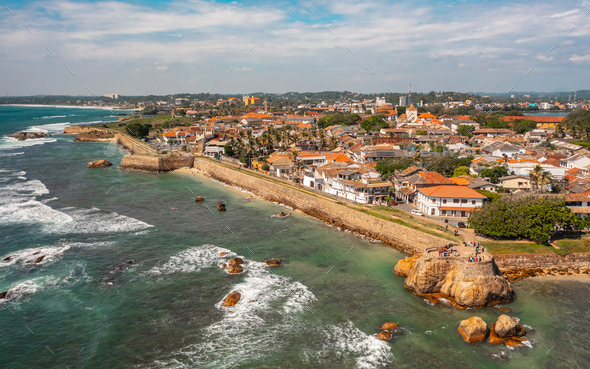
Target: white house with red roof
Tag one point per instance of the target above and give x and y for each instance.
(448, 201)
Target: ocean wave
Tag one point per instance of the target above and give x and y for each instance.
(29, 256)
(346, 340)
(19, 204)
(192, 260)
(255, 327)
(11, 143)
(52, 116)
(22, 290)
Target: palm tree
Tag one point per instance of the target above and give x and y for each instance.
(540, 177)
(333, 143)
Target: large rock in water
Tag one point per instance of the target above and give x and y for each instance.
(384, 335)
(464, 284)
(506, 327)
(199, 199)
(99, 164)
(404, 266)
(235, 268)
(232, 299)
(21, 136)
(473, 329)
(221, 206)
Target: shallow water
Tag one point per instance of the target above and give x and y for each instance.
(88, 308)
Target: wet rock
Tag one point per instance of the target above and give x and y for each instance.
(463, 284)
(235, 261)
(235, 268)
(273, 262)
(39, 259)
(99, 164)
(3, 295)
(222, 253)
(507, 327)
(21, 136)
(199, 199)
(223, 265)
(473, 329)
(384, 335)
(8, 258)
(516, 342)
(221, 206)
(129, 262)
(504, 309)
(403, 267)
(232, 299)
(388, 326)
(493, 338)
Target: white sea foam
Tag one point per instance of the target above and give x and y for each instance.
(11, 143)
(346, 340)
(192, 260)
(23, 289)
(19, 204)
(247, 329)
(29, 256)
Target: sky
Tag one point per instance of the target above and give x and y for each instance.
(133, 47)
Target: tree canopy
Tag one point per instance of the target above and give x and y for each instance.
(533, 218)
(446, 164)
(578, 123)
(374, 123)
(465, 130)
(338, 119)
(388, 166)
(139, 130)
(494, 173)
(461, 171)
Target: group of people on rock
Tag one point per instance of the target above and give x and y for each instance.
(446, 251)
(475, 258)
(478, 247)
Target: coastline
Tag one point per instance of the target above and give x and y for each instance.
(71, 106)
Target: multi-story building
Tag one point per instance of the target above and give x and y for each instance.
(449, 201)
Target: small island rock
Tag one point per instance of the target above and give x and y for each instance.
(99, 164)
(21, 136)
(232, 299)
(235, 268)
(222, 253)
(384, 335)
(473, 329)
(388, 326)
(506, 327)
(221, 206)
(199, 199)
(273, 262)
(235, 261)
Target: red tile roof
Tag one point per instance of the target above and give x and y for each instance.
(452, 191)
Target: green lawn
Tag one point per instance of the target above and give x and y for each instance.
(158, 123)
(566, 246)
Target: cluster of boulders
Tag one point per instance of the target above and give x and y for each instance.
(388, 330)
(274, 262)
(517, 275)
(99, 164)
(21, 136)
(234, 265)
(505, 330)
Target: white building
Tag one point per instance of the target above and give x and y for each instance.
(449, 201)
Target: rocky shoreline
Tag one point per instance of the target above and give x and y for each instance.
(464, 284)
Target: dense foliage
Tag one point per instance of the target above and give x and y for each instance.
(338, 119)
(578, 124)
(446, 164)
(139, 130)
(388, 166)
(374, 123)
(494, 173)
(537, 219)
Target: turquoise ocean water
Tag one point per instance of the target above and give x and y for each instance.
(82, 306)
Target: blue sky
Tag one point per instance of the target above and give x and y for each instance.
(136, 47)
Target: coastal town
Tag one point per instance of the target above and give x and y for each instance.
(378, 153)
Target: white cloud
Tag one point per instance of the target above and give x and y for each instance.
(580, 59)
(207, 38)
